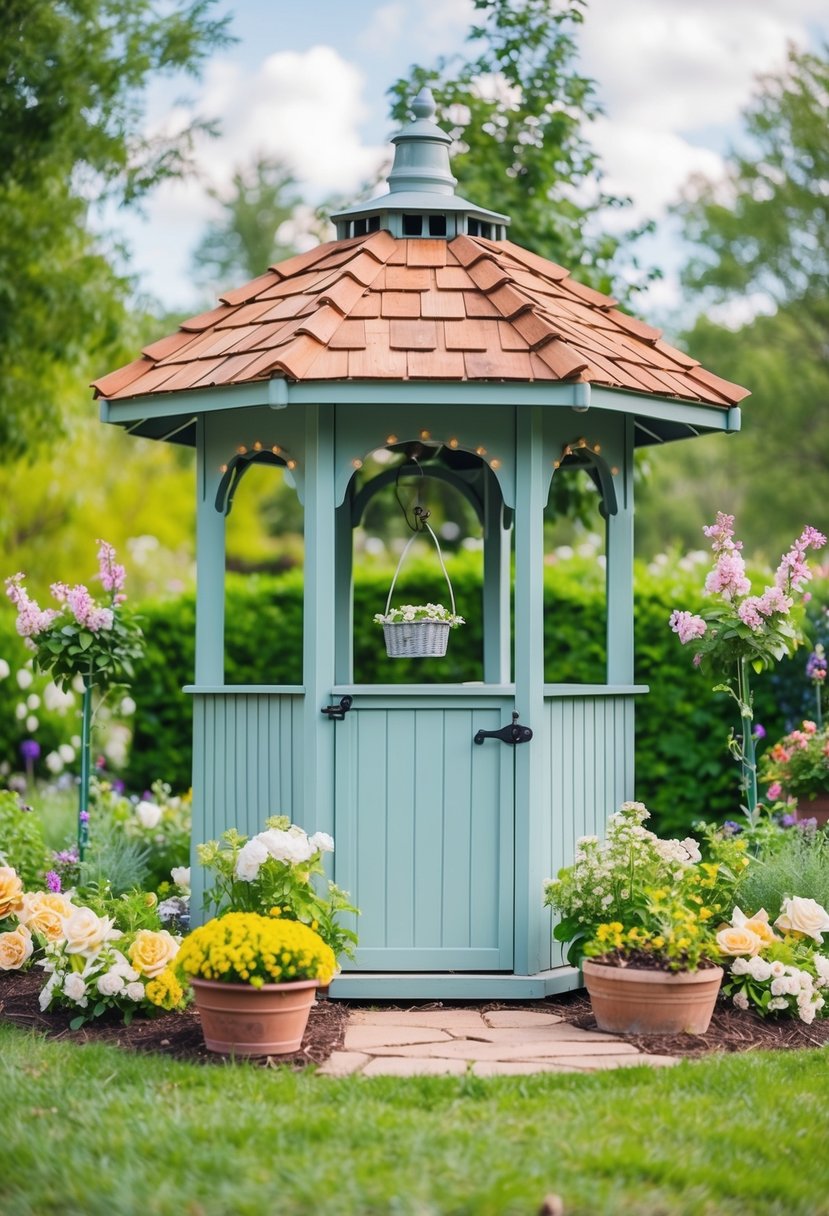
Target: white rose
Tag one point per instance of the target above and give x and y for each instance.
(292, 847)
(777, 969)
(75, 988)
(739, 966)
(692, 849)
(759, 969)
(148, 814)
(181, 877)
(804, 916)
(806, 1013)
(134, 991)
(251, 856)
(322, 841)
(110, 984)
(44, 1000)
(822, 967)
(85, 932)
(740, 1000)
(777, 1002)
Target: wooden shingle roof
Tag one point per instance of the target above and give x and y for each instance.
(378, 307)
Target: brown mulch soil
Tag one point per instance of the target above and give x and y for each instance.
(178, 1035)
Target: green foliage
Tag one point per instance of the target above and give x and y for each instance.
(113, 862)
(74, 76)
(245, 240)
(517, 108)
(21, 841)
(797, 864)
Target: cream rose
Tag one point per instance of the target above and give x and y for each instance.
(757, 924)
(152, 950)
(43, 913)
(11, 891)
(15, 948)
(804, 916)
(733, 940)
(148, 814)
(85, 932)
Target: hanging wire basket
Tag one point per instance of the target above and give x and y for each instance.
(426, 633)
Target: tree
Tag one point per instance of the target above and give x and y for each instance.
(517, 109)
(74, 75)
(249, 235)
(762, 233)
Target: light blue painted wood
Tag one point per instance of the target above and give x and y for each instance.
(589, 749)
(496, 588)
(210, 568)
(319, 628)
(404, 986)
(619, 577)
(532, 816)
(424, 831)
(247, 752)
(344, 593)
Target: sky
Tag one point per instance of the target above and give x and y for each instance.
(307, 82)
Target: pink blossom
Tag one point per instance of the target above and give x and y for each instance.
(111, 574)
(775, 790)
(85, 611)
(31, 619)
(721, 533)
(749, 613)
(687, 626)
(809, 727)
(793, 572)
(728, 576)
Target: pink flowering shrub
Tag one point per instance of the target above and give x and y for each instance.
(82, 636)
(742, 632)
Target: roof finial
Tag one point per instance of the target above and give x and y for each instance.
(424, 104)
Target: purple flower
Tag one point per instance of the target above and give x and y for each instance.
(731, 828)
(67, 857)
(30, 750)
(84, 817)
(816, 665)
(118, 785)
(53, 881)
(787, 821)
(759, 731)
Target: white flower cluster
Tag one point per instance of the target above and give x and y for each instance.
(291, 845)
(598, 884)
(791, 987)
(418, 612)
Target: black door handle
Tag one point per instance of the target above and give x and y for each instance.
(512, 734)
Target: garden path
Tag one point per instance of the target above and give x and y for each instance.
(487, 1043)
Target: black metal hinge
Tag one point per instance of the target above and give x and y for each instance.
(512, 734)
(336, 713)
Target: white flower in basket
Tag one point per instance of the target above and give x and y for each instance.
(418, 631)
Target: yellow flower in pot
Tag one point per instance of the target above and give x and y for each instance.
(254, 979)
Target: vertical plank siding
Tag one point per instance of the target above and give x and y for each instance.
(590, 750)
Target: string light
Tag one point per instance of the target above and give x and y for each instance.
(257, 447)
(495, 463)
(355, 464)
(597, 447)
(556, 464)
(222, 468)
(276, 449)
(391, 439)
(582, 443)
(241, 449)
(291, 464)
(425, 434)
(453, 443)
(614, 470)
(480, 451)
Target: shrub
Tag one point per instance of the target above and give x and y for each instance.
(21, 840)
(797, 864)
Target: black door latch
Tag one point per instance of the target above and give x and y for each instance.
(511, 734)
(336, 713)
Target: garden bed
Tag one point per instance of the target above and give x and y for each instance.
(179, 1036)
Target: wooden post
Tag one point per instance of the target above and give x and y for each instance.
(532, 795)
(619, 582)
(210, 563)
(496, 589)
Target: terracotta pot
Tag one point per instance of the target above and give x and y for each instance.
(240, 1020)
(632, 1000)
(813, 808)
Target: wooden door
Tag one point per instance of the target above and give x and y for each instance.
(424, 830)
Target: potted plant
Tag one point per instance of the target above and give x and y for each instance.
(640, 916)
(797, 766)
(417, 631)
(279, 873)
(254, 979)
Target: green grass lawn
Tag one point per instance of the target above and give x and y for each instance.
(94, 1131)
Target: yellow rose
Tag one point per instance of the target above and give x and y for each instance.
(85, 932)
(43, 912)
(11, 891)
(738, 940)
(15, 948)
(152, 950)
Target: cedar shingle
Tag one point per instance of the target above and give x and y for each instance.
(468, 335)
(435, 365)
(478, 305)
(322, 324)
(443, 305)
(509, 302)
(248, 291)
(453, 278)
(351, 335)
(560, 359)
(377, 362)
(426, 251)
(487, 274)
(115, 382)
(407, 278)
(164, 347)
(400, 304)
(497, 365)
(343, 294)
(413, 335)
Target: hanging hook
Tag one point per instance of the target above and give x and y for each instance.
(419, 513)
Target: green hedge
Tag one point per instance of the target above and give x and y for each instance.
(683, 769)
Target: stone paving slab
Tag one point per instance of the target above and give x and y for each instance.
(440, 1019)
(457, 1042)
(470, 1049)
(513, 1018)
(359, 1038)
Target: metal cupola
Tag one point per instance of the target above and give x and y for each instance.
(421, 199)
